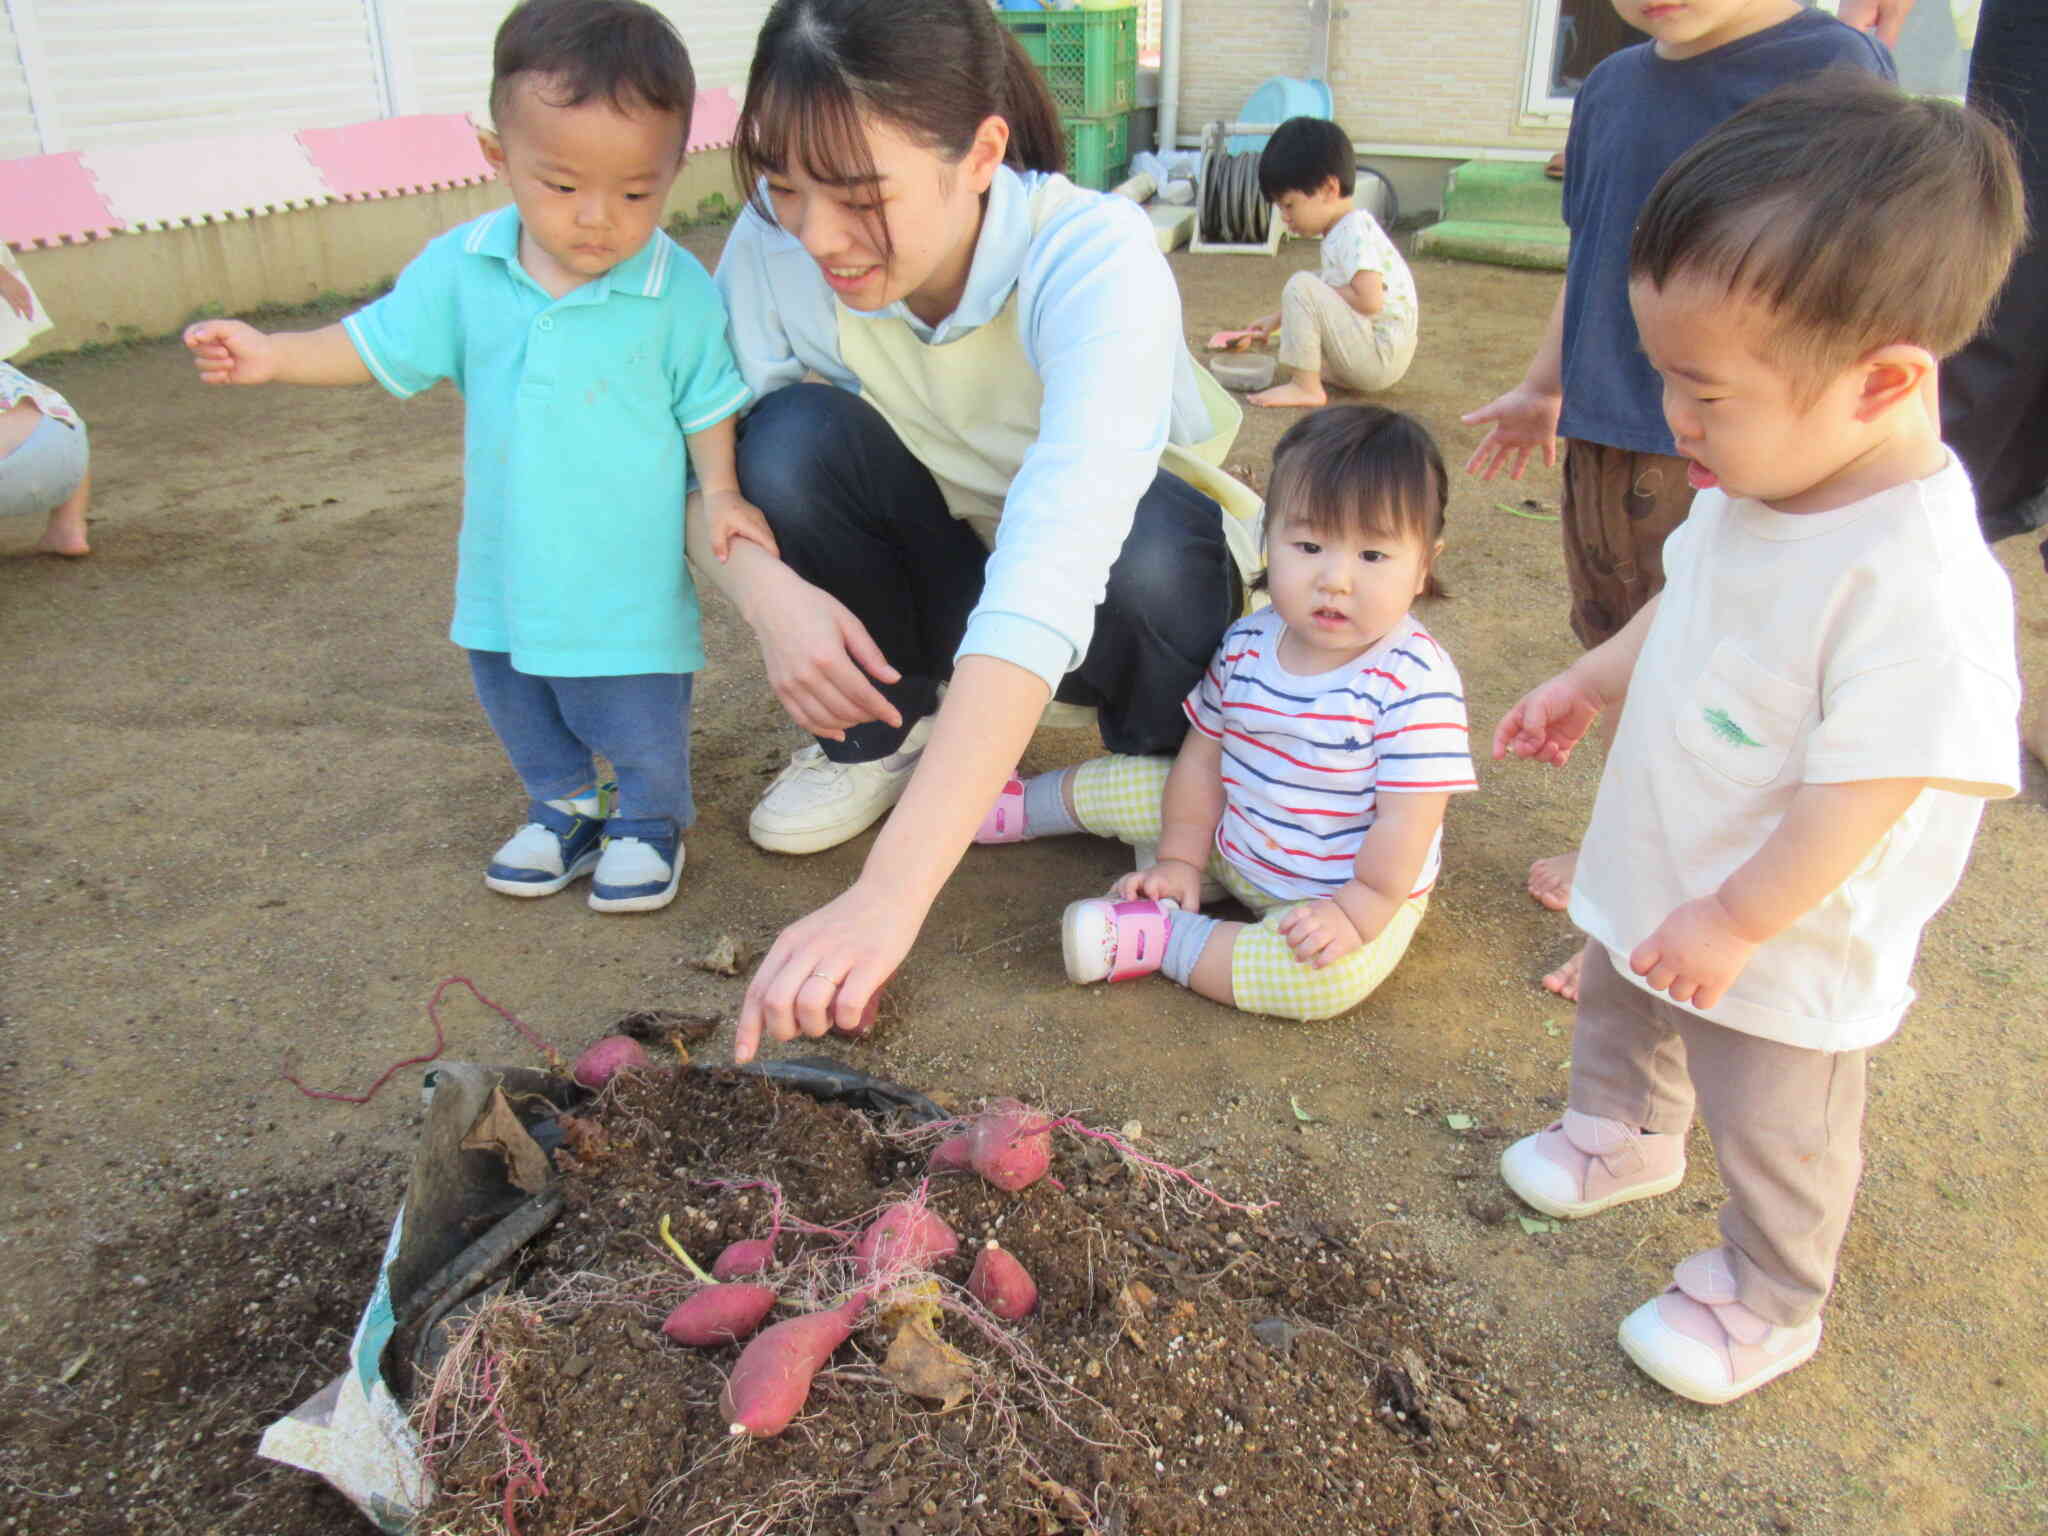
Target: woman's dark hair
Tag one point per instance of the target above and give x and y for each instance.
(934, 68)
(1360, 469)
(1858, 215)
(625, 52)
(1301, 154)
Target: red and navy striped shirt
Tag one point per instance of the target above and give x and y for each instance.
(1306, 758)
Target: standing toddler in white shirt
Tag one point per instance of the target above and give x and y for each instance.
(1353, 322)
(1819, 701)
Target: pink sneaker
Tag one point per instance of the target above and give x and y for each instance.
(1702, 1343)
(1583, 1164)
(1004, 822)
(1107, 940)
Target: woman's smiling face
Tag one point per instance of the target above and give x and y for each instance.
(906, 233)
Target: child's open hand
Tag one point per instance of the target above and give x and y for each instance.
(727, 516)
(1173, 880)
(1319, 933)
(1695, 954)
(1547, 722)
(1524, 422)
(16, 293)
(231, 352)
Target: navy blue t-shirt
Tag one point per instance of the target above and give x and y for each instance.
(1634, 116)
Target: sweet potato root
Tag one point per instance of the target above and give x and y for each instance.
(771, 1380)
(1002, 1284)
(908, 1234)
(719, 1314)
(602, 1060)
(1010, 1145)
(748, 1256)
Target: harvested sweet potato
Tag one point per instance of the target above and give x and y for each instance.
(771, 1380)
(719, 1314)
(955, 1152)
(1002, 1284)
(1011, 1145)
(907, 1235)
(602, 1060)
(748, 1256)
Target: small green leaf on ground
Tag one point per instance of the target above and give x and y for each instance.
(1301, 1114)
(1459, 1122)
(1552, 1028)
(1532, 1225)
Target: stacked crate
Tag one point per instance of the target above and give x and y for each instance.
(1090, 62)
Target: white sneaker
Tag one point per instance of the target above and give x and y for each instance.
(816, 803)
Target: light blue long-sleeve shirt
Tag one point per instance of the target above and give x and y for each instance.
(1099, 316)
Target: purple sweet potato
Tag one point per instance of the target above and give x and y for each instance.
(908, 1234)
(602, 1060)
(748, 1256)
(1010, 1145)
(772, 1377)
(719, 1314)
(1002, 1285)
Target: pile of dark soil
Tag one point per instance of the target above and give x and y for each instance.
(1191, 1367)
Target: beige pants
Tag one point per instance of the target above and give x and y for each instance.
(1786, 1125)
(1320, 333)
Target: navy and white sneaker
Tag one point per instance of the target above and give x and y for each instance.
(641, 867)
(559, 844)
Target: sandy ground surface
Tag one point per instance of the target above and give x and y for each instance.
(246, 795)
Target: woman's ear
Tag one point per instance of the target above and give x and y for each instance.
(991, 144)
(1892, 374)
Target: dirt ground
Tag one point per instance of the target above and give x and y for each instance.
(245, 796)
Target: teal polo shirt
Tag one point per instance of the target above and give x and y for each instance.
(574, 466)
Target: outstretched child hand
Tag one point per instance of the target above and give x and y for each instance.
(1548, 721)
(1524, 422)
(1695, 954)
(16, 293)
(727, 516)
(231, 352)
(1319, 933)
(1173, 880)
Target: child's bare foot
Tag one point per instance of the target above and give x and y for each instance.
(70, 542)
(1293, 392)
(1564, 981)
(65, 532)
(1550, 880)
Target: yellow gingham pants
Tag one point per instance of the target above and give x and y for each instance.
(1120, 797)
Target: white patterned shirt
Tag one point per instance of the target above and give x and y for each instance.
(1355, 244)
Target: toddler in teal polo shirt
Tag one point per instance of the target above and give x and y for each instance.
(590, 350)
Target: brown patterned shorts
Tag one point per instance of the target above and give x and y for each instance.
(1618, 509)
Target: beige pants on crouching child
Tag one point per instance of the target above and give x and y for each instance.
(1786, 1123)
(1121, 797)
(1320, 333)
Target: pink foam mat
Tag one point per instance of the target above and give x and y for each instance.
(203, 181)
(715, 121)
(397, 154)
(51, 200)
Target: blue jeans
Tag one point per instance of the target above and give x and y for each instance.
(857, 514)
(550, 726)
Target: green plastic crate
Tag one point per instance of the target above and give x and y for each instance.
(1098, 150)
(1089, 58)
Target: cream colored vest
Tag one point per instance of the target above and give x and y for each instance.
(969, 410)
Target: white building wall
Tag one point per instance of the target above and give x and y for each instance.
(17, 122)
(142, 71)
(1400, 73)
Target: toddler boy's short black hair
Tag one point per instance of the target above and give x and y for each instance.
(1302, 152)
(1858, 215)
(626, 53)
